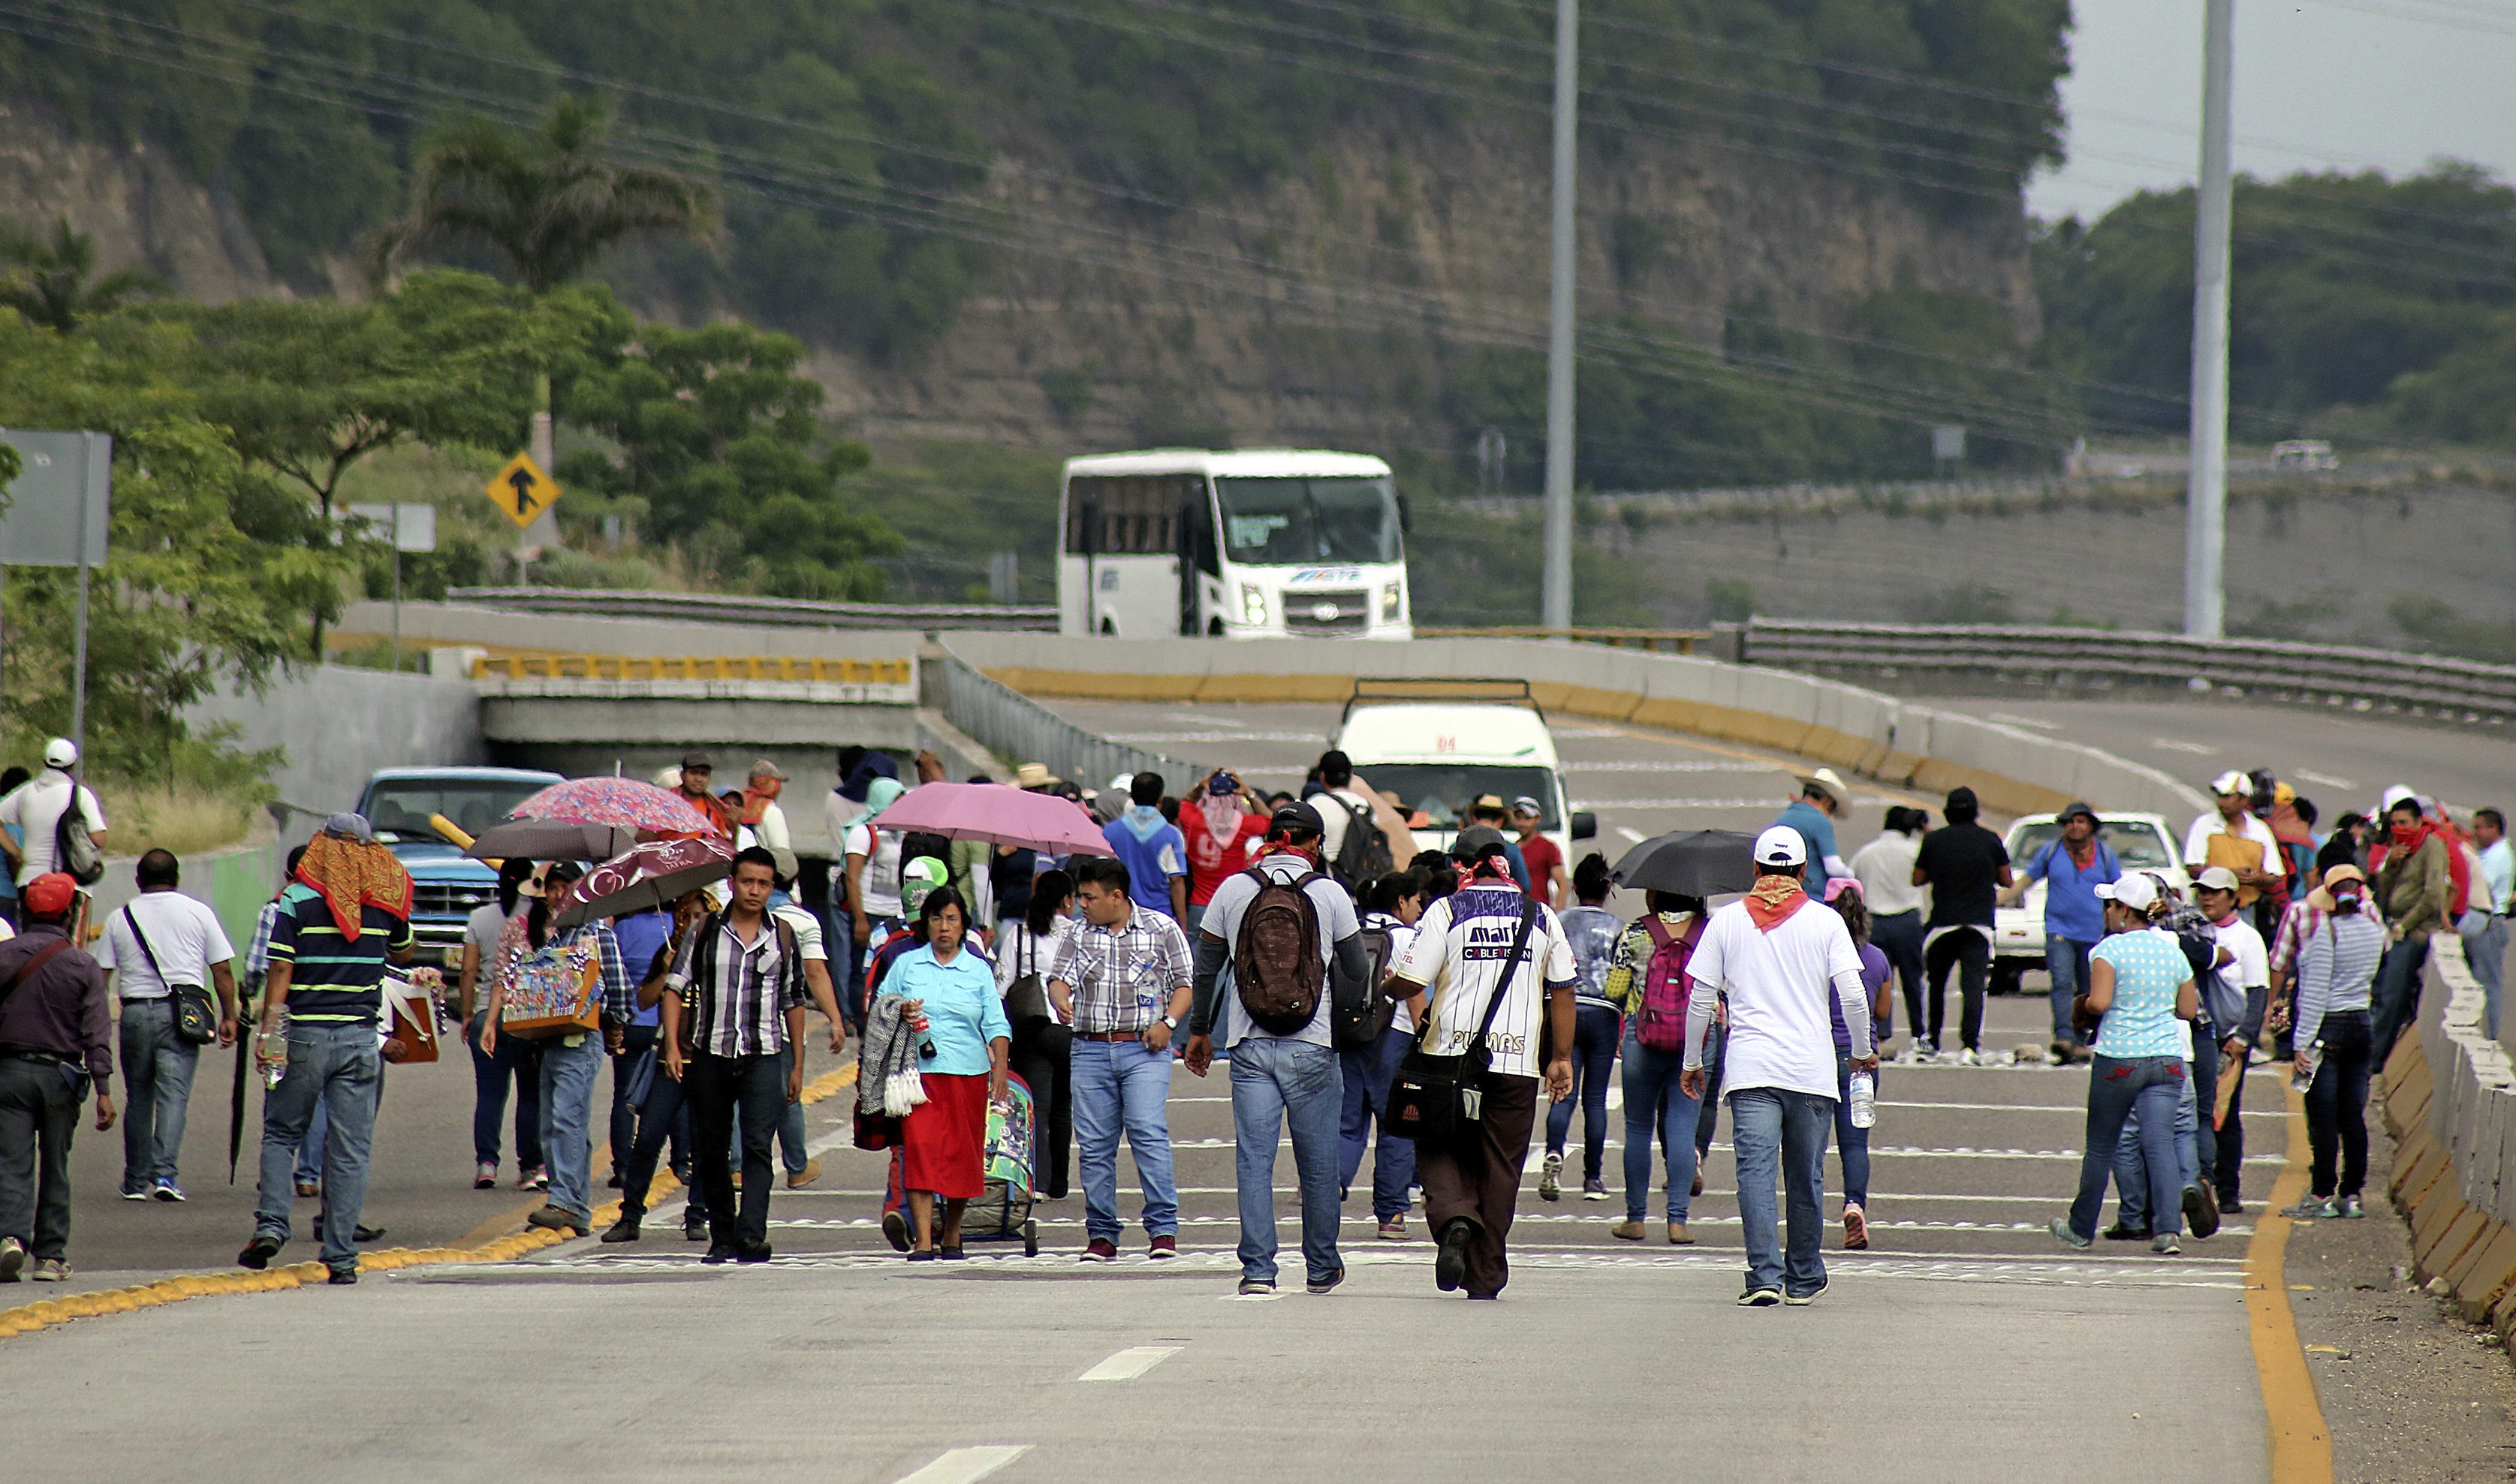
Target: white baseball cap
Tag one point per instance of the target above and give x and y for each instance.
(2216, 879)
(2136, 891)
(2232, 782)
(60, 751)
(1781, 845)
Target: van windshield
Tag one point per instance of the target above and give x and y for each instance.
(1444, 791)
(1290, 522)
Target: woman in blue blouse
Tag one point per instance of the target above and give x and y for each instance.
(2138, 980)
(959, 1019)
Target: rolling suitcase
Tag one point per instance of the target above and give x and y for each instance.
(1002, 1212)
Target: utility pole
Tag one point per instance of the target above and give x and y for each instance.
(2206, 538)
(1557, 599)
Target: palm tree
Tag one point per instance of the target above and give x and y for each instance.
(545, 198)
(46, 281)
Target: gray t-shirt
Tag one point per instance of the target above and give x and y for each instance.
(1222, 917)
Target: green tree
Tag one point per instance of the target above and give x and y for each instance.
(51, 278)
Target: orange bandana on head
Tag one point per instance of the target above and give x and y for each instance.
(349, 874)
(1774, 900)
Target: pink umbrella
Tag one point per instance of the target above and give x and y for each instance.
(652, 875)
(996, 813)
(627, 804)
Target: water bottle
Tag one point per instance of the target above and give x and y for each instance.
(1865, 1100)
(275, 1057)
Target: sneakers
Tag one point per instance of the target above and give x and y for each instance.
(257, 1254)
(2062, 1232)
(2165, 1246)
(1855, 1227)
(2120, 1232)
(485, 1176)
(1100, 1250)
(1913, 1056)
(1626, 1231)
(13, 1258)
(623, 1230)
(1257, 1288)
(531, 1177)
(694, 1226)
(797, 1180)
(1324, 1284)
(1969, 1057)
(1803, 1300)
(753, 1252)
(167, 1190)
(1679, 1236)
(135, 1195)
(1594, 1189)
(51, 1270)
(1162, 1247)
(1450, 1263)
(1550, 1178)
(2311, 1208)
(895, 1229)
(2202, 1208)
(1760, 1297)
(2349, 1210)
(1394, 1229)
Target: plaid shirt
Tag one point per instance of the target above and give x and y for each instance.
(256, 958)
(1124, 980)
(743, 990)
(2296, 926)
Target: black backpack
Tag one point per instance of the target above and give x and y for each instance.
(1277, 965)
(1362, 856)
(1358, 1020)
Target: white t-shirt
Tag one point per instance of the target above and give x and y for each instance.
(1782, 994)
(2197, 840)
(1335, 912)
(184, 935)
(2250, 964)
(880, 888)
(770, 832)
(1884, 867)
(35, 808)
(1334, 816)
(1401, 938)
(1460, 942)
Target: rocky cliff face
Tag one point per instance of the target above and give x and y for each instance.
(141, 210)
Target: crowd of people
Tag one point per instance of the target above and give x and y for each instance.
(1369, 1000)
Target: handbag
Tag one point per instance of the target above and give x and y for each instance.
(1433, 1097)
(557, 990)
(196, 1020)
(1027, 996)
(876, 1131)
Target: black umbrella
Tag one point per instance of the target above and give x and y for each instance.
(1699, 863)
(236, 1094)
(549, 839)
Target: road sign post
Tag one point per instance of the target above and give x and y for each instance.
(58, 515)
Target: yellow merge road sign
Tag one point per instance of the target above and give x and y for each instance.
(522, 491)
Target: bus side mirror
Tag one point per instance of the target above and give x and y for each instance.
(1585, 825)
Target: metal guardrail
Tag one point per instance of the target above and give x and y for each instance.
(1020, 730)
(692, 667)
(2451, 690)
(1657, 641)
(785, 612)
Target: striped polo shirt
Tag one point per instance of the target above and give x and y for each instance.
(333, 977)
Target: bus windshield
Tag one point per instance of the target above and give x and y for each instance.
(1291, 522)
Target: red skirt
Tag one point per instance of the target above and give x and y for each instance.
(943, 1141)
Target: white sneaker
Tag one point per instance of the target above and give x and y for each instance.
(1912, 1055)
(1968, 1058)
(1550, 1178)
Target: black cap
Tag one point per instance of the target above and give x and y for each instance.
(1297, 817)
(1475, 843)
(696, 758)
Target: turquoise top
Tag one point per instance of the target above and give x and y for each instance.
(2147, 966)
(963, 1010)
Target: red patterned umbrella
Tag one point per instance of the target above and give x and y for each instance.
(627, 804)
(652, 875)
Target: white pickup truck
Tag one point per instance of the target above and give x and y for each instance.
(2141, 842)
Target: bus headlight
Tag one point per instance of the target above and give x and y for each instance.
(1388, 602)
(1253, 603)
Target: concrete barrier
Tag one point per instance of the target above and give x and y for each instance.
(2450, 1097)
(336, 724)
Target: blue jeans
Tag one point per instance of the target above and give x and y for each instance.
(1596, 1029)
(2131, 1160)
(332, 1065)
(1655, 1105)
(1853, 1142)
(1119, 1086)
(2484, 951)
(1366, 1072)
(2066, 961)
(567, 1120)
(1707, 1118)
(1278, 1084)
(1776, 1128)
(2154, 1085)
(513, 1062)
(158, 1068)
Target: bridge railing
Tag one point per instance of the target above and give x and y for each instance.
(783, 613)
(1018, 729)
(1655, 640)
(693, 667)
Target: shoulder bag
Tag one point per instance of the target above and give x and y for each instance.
(196, 1020)
(1437, 1097)
(1027, 996)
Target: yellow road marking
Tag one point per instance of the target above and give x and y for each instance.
(2301, 1443)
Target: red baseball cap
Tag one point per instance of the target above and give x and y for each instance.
(51, 894)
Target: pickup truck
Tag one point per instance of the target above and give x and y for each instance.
(2141, 842)
(446, 885)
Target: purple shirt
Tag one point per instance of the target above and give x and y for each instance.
(1875, 970)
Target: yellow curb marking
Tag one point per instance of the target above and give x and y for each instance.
(2301, 1443)
(483, 1245)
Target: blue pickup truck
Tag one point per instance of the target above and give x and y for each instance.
(446, 885)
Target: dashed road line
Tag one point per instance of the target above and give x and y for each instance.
(966, 1465)
(1131, 1362)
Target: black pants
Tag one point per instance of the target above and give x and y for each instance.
(1042, 1056)
(2398, 995)
(636, 1042)
(1900, 938)
(2337, 1104)
(1971, 953)
(38, 1113)
(664, 1115)
(2230, 1166)
(719, 1088)
(1475, 1178)
(2206, 1097)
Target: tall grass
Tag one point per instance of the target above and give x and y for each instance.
(186, 819)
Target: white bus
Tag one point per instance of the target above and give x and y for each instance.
(1251, 544)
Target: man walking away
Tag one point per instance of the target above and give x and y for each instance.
(345, 916)
(2072, 869)
(56, 1040)
(1356, 846)
(1152, 849)
(36, 807)
(1291, 936)
(2484, 927)
(1124, 983)
(2415, 889)
(1598, 1024)
(161, 943)
(1465, 953)
(2238, 996)
(1395, 906)
(1781, 960)
(1884, 869)
(1547, 880)
(1813, 813)
(1963, 864)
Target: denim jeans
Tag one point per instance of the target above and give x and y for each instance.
(841, 946)
(2203, 1070)
(790, 1123)
(39, 1115)
(515, 1061)
(2397, 995)
(662, 1113)
(2115, 1087)
(1774, 1129)
(1655, 1106)
(2484, 952)
(158, 1068)
(2336, 1106)
(1853, 1142)
(1119, 1086)
(1278, 1084)
(1707, 1117)
(2065, 964)
(1900, 938)
(2131, 1160)
(1596, 1030)
(333, 1065)
(724, 1090)
(1366, 1073)
(567, 1120)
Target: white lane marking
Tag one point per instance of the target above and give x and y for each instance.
(1288, 1220)
(1130, 1362)
(2013, 718)
(1671, 765)
(2325, 779)
(1632, 837)
(966, 1465)
(2175, 745)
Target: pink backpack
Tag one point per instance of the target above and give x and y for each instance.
(1660, 1024)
